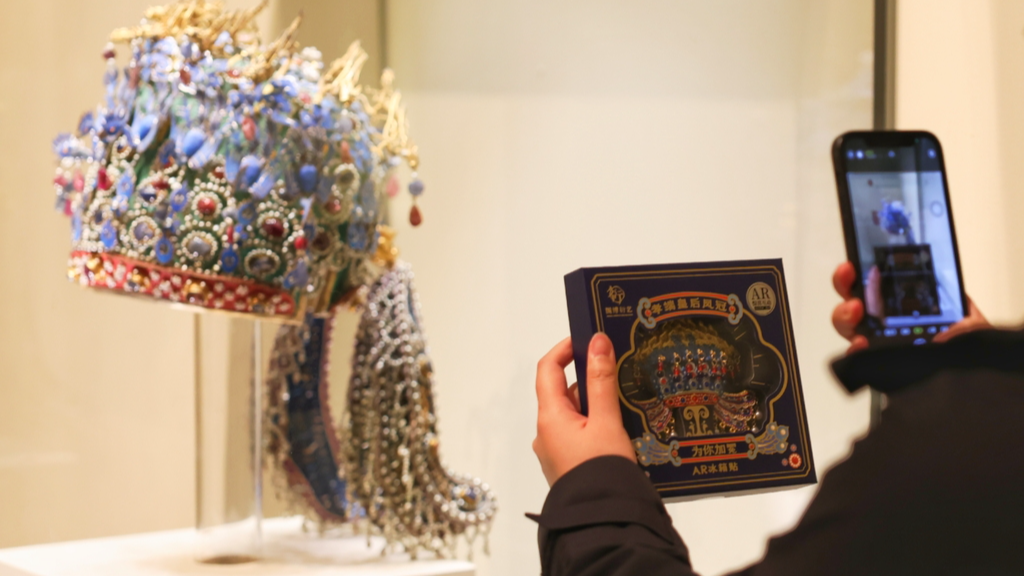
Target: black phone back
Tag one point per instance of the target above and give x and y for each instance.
(898, 227)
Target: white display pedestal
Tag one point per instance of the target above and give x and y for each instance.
(286, 550)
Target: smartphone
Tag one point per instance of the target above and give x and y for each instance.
(894, 199)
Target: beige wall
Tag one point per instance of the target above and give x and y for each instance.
(95, 391)
(960, 65)
(1007, 24)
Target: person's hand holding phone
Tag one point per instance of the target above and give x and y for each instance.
(848, 314)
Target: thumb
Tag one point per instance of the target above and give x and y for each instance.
(602, 380)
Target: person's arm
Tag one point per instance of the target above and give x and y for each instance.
(604, 518)
(602, 515)
(921, 494)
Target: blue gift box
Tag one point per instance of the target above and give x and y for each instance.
(709, 385)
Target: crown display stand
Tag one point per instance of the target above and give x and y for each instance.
(228, 451)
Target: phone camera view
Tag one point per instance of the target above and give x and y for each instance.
(904, 238)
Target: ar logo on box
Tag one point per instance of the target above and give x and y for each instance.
(761, 298)
(616, 294)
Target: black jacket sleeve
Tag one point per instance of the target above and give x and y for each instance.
(604, 517)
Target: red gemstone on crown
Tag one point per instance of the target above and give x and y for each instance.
(248, 128)
(186, 76)
(102, 180)
(415, 218)
(206, 206)
(273, 228)
(218, 172)
(333, 206)
(300, 243)
(161, 184)
(109, 53)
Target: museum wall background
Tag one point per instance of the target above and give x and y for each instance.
(97, 392)
(960, 66)
(553, 135)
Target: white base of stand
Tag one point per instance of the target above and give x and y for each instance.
(286, 550)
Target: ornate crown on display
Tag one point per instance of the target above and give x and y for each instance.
(228, 174)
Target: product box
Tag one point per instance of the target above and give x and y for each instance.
(708, 380)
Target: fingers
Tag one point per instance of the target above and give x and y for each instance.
(846, 317)
(873, 293)
(857, 343)
(574, 395)
(848, 314)
(843, 279)
(551, 386)
(974, 313)
(602, 380)
(974, 320)
(962, 327)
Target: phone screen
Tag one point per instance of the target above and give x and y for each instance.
(904, 237)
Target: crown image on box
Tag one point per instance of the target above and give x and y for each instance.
(231, 175)
(688, 365)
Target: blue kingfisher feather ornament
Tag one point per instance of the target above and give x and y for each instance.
(231, 175)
